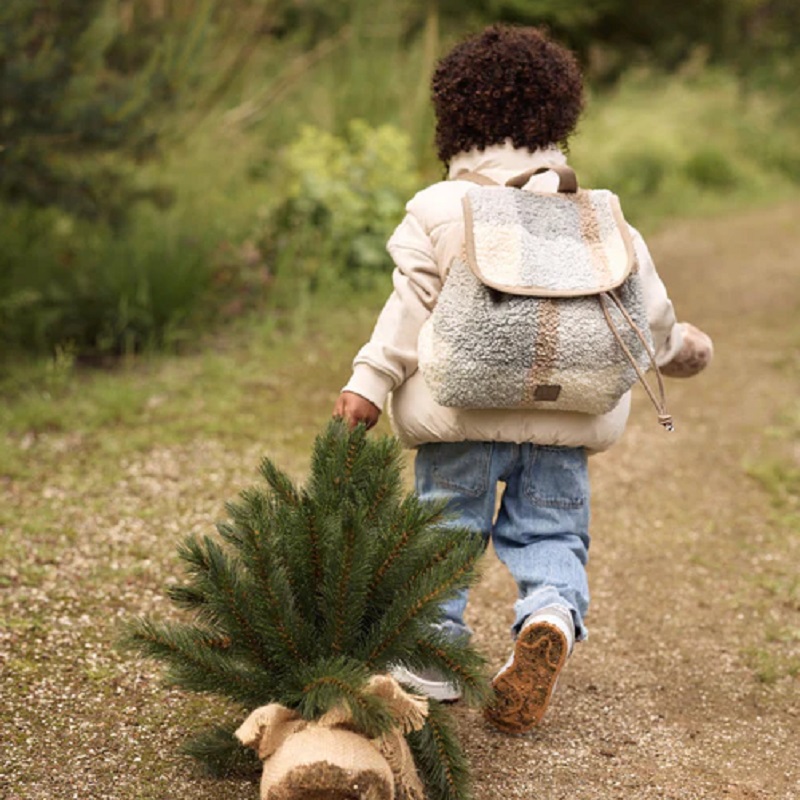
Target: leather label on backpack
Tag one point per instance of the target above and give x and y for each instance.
(547, 392)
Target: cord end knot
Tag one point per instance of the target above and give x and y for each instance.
(666, 421)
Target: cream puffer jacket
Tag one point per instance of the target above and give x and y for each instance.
(422, 247)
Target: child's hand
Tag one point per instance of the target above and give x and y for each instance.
(353, 408)
(693, 357)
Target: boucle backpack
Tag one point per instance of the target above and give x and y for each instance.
(544, 309)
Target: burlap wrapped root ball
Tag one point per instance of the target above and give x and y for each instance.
(328, 760)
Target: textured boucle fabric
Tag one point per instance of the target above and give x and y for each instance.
(485, 348)
(525, 242)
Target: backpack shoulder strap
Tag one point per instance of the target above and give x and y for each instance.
(567, 180)
(475, 177)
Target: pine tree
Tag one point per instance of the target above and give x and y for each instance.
(82, 99)
(307, 592)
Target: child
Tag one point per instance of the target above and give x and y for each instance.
(505, 101)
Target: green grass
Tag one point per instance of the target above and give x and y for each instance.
(230, 386)
(686, 145)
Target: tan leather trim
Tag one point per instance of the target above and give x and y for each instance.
(469, 239)
(567, 179)
(475, 177)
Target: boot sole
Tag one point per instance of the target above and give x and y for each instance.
(523, 690)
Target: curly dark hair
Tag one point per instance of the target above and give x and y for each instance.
(506, 83)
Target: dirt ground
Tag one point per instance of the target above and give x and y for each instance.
(661, 702)
(658, 702)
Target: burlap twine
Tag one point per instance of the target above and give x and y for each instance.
(300, 756)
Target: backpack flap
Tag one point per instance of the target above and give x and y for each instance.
(547, 244)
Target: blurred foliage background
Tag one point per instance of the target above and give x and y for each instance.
(171, 166)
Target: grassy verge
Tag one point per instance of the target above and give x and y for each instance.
(235, 385)
(686, 145)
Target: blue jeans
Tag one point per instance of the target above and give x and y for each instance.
(541, 531)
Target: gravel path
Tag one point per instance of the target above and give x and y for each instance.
(660, 702)
(663, 701)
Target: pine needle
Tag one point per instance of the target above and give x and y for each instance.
(439, 758)
(305, 593)
(222, 754)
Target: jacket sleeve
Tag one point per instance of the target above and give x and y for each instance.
(666, 330)
(390, 356)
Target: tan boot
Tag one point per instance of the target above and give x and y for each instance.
(524, 686)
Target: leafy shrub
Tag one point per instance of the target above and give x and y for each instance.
(781, 156)
(636, 174)
(339, 198)
(710, 168)
(70, 283)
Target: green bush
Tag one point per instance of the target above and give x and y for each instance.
(686, 144)
(83, 99)
(637, 174)
(338, 200)
(781, 156)
(99, 291)
(710, 168)
(67, 283)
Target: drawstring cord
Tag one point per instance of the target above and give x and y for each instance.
(660, 402)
